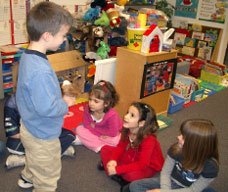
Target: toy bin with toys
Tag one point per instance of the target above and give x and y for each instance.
(176, 103)
(213, 72)
(184, 86)
(134, 36)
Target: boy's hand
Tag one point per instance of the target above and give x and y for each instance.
(69, 100)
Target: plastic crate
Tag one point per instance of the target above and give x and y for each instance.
(211, 86)
(178, 105)
(212, 78)
(197, 95)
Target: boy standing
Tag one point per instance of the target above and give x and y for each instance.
(39, 98)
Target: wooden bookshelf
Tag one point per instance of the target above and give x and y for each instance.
(129, 74)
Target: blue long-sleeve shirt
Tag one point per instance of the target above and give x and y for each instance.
(39, 97)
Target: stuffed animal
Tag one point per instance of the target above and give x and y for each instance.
(100, 3)
(121, 11)
(117, 41)
(69, 93)
(91, 14)
(98, 36)
(121, 30)
(103, 20)
(103, 50)
(121, 2)
(114, 17)
(91, 57)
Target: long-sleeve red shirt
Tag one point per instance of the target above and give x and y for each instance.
(129, 159)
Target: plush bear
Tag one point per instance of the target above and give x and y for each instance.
(100, 3)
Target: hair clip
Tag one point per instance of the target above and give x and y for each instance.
(103, 86)
(146, 106)
(102, 83)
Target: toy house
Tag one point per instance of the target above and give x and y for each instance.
(152, 40)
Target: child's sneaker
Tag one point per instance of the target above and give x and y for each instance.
(16, 152)
(69, 152)
(15, 161)
(77, 141)
(24, 183)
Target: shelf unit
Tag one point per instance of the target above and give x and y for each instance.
(1, 80)
(129, 74)
(8, 60)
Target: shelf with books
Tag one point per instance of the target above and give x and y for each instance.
(8, 59)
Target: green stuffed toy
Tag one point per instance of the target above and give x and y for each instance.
(103, 50)
(103, 20)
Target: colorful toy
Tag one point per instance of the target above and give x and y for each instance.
(167, 42)
(152, 40)
(91, 57)
(114, 17)
(103, 20)
(121, 11)
(100, 3)
(91, 14)
(103, 50)
(121, 2)
(98, 36)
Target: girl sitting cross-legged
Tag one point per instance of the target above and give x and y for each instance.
(138, 154)
(101, 122)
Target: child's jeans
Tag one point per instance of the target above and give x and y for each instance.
(154, 183)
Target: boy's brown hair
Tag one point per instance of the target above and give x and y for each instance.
(46, 17)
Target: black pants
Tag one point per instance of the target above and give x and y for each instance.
(66, 138)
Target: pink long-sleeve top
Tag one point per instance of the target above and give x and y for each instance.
(110, 125)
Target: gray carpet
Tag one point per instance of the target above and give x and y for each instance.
(80, 174)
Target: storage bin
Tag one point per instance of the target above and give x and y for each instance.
(135, 38)
(211, 86)
(178, 105)
(197, 95)
(210, 77)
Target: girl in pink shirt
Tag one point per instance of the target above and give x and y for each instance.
(101, 123)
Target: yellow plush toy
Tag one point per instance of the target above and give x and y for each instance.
(121, 2)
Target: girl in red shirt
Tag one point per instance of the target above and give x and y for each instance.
(138, 154)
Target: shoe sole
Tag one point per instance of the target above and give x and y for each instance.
(22, 183)
(11, 167)
(15, 152)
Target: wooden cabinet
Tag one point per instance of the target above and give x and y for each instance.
(129, 74)
(1, 81)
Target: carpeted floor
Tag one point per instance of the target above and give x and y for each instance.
(80, 174)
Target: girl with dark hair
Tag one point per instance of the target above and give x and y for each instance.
(138, 154)
(101, 122)
(191, 163)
